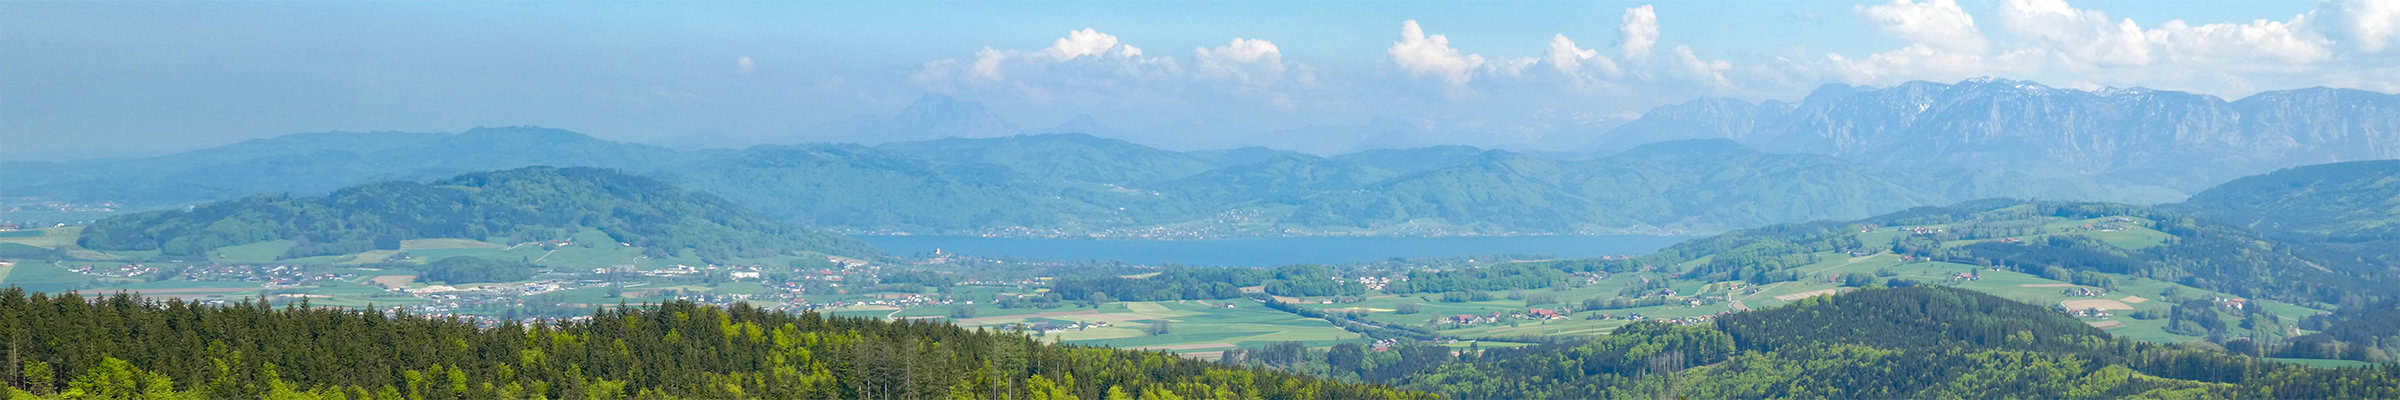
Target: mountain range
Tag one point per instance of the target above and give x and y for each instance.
(1703, 166)
(2172, 142)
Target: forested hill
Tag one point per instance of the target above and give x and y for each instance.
(315, 163)
(1914, 342)
(511, 206)
(2061, 239)
(1074, 185)
(2348, 201)
(122, 347)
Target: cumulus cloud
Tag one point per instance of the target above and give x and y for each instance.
(1095, 51)
(1707, 71)
(2086, 40)
(1252, 62)
(1582, 69)
(2077, 35)
(1421, 54)
(1088, 42)
(1943, 44)
(1570, 60)
(1938, 24)
(2055, 41)
(1431, 55)
(1638, 31)
(2368, 25)
(1096, 68)
(2261, 42)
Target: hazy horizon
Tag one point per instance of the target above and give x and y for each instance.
(1317, 78)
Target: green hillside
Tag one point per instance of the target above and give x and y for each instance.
(1916, 342)
(2034, 237)
(1071, 156)
(2351, 201)
(513, 206)
(2136, 272)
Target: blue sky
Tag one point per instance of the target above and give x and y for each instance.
(112, 79)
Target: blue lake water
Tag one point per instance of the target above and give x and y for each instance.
(1271, 251)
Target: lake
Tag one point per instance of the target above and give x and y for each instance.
(1271, 251)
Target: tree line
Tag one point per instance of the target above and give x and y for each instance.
(120, 346)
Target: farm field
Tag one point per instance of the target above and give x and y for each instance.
(44, 276)
(44, 237)
(1194, 327)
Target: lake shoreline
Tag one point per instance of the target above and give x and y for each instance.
(1271, 251)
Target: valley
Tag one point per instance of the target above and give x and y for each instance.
(1010, 200)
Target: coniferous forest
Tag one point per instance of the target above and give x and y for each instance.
(71, 346)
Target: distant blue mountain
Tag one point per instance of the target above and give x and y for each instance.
(1708, 165)
(2177, 141)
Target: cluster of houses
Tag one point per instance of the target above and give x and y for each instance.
(61, 206)
(735, 272)
(272, 275)
(1048, 325)
(498, 290)
(2093, 312)
(2080, 291)
(1498, 316)
(1590, 278)
(2231, 302)
(119, 271)
(1376, 282)
(792, 302)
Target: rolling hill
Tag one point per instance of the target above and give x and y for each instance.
(1914, 342)
(510, 206)
(313, 163)
(2351, 201)
(1704, 166)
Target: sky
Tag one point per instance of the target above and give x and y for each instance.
(114, 79)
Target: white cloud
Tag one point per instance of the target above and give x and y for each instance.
(2368, 25)
(2079, 36)
(1939, 24)
(1251, 62)
(1571, 60)
(1421, 54)
(1086, 42)
(1638, 32)
(1084, 45)
(2051, 40)
(1708, 71)
(2088, 40)
(987, 63)
(745, 65)
(1094, 71)
(2259, 43)
(1943, 44)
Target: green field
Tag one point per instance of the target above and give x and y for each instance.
(44, 276)
(267, 251)
(1196, 328)
(44, 237)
